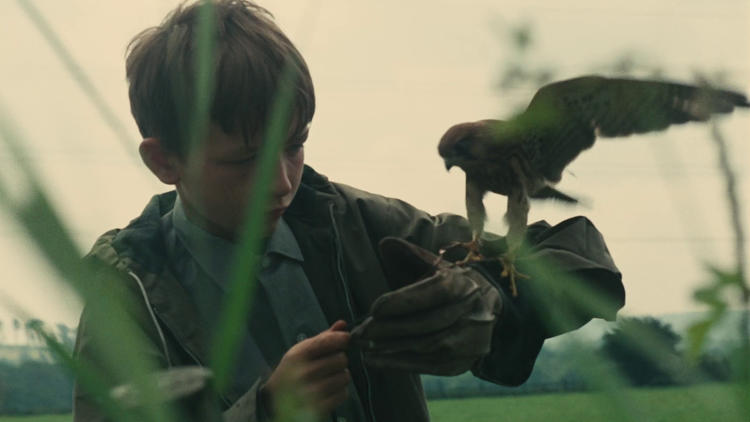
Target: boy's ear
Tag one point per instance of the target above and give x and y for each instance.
(161, 162)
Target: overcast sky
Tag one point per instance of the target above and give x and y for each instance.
(391, 76)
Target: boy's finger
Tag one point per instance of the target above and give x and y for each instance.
(325, 366)
(326, 343)
(339, 325)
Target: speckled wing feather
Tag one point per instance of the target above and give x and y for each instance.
(564, 118)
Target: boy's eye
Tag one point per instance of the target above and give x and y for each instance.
(294, 148)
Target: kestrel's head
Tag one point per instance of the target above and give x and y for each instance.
(465, 143)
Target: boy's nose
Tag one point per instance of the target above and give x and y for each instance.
(283, 183)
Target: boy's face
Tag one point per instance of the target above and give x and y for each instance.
(216, 187)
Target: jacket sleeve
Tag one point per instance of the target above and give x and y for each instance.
(114, 340)
(572, 280)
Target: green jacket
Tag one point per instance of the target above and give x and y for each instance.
(338, 229)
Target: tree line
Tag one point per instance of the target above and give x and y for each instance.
(29, 385)
(20, 332)
(638, 352)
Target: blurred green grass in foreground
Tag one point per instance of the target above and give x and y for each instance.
(706, 402)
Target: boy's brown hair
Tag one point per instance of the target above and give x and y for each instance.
(250, 55)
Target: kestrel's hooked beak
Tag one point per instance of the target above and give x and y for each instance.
(448, 163)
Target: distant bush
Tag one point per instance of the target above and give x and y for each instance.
(645, 351)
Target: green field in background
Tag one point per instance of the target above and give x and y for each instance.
(713, 402)
(39, 418)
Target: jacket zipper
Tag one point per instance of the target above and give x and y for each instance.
(153, 317)
(197, 361)
(350, 309)
(156, 321)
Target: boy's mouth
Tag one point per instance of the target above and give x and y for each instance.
(276, 213)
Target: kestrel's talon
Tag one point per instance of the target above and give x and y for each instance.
(472, 256)
(507, 260)
(510, 271)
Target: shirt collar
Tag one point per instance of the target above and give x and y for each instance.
(214, 253)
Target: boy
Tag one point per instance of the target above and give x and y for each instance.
(321, 272)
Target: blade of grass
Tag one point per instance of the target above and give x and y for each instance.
(203, 83)
(738, 229)
(87, 378)
(95, 385)
(552, 289)
(738, 226)
(35, 213)
(44, 227)
(232, 322)
(80, 77)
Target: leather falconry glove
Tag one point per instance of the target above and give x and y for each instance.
(440, 322)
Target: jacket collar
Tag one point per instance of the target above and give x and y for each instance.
(313, 199)
(140, 251)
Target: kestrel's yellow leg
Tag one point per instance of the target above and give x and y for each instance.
(517, 218)
(476, 215)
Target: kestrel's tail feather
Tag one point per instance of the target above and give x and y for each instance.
(548, 192)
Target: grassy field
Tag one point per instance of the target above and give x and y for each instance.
(714, 402)
(43, 418)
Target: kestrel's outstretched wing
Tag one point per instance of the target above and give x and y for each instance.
(564, 118)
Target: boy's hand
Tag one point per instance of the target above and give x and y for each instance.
(313, 372)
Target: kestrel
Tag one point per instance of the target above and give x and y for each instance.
(525, 156)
